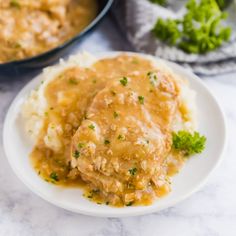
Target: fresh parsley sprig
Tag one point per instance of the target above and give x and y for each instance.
(188, 143)
(199, 31)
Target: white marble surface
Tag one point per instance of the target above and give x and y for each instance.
(209, 212)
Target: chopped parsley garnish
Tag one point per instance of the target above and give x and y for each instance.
(94, 81)
(115, 114)
(92, 127)
(124, 81)
(76, 154)
(14, 3)
(107, 203)
(121, 137)
(81, 145)
(54, 176)
(141, 99)
(106, 142)
(188, 143)
(133, 171)
(129, 204)
(152, 77)
(73, 81)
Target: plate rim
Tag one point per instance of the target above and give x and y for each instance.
(145, 210)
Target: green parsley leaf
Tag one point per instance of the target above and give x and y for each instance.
(129, 204)
(92, 127)
(81, 145)
(167, 31)
(188, 143)
(152, 77)
(124, 81)
(106, 142)
(54, 176)
(115, 114)
(15, 3)
(133, 171)
(141, 99)
(73, 81)
(121, 137)
(76, 154)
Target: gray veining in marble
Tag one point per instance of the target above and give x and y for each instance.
(209, 212)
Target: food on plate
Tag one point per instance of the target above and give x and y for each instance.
(118, 127)
(200, 30)
(29, 28)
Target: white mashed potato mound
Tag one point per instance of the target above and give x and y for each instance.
(35, 106)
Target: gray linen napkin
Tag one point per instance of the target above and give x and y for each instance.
(136, 18)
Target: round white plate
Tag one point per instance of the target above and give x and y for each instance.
(194, 174)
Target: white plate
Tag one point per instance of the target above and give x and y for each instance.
(191, 177)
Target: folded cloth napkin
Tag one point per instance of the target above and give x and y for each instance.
(136, 18)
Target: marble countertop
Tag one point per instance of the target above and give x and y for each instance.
(209, 212)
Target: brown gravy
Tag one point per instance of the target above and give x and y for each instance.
(68, 97)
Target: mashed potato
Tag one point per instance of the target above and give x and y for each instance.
(106, 125)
